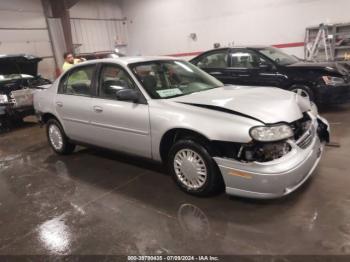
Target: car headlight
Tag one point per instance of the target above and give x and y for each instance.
(271, 133)
(3, 99)
(333, 81)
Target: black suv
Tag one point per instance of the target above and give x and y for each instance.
(323, 83)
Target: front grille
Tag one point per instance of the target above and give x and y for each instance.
(306, 139)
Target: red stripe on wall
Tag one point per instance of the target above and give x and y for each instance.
(187, 54)
(288, 45)
(297, 44)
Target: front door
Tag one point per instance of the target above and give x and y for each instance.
(248, 67)
(119, 125)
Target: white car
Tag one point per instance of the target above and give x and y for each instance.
(254, 142)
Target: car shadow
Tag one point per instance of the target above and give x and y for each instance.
(124, 158)
(16, 126)
(157, 191)
(159, 169)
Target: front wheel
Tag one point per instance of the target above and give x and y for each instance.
(57, 138)
(303, 91)
(193, 169)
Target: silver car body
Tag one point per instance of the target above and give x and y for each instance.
(139, 128)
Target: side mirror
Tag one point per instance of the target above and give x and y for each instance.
(128, 95)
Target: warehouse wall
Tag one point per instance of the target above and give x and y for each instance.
(97, 25)
(164, 26)
(23, 30)
(96, 9)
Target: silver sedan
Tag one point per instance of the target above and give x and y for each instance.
(254, 142)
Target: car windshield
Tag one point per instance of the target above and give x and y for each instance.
(170, 78)
(13, 77)
(278, 56)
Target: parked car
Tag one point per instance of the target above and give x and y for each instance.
(324, 83)
(257, 142)
(18, 80)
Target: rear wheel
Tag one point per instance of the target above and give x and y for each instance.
(193, 169)
(57, 138)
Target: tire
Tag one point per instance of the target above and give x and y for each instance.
(304, 91)
(204, 183)
(57, 139)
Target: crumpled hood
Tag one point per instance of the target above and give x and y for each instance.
(266, 104)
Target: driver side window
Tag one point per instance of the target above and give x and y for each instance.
(78, 81)
(112, 79)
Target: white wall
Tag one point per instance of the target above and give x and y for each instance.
(158, 27)
(23, 30)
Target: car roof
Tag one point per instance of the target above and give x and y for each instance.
(252, 46)
(228, 48)
(236, 47)
(242, 46)
(126, 60)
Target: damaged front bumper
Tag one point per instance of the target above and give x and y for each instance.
(279, 177)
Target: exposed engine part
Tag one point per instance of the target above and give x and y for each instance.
(255, 151)
(264, 152)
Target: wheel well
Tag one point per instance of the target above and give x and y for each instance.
(47, 116)
(173, 135)
(307, 85)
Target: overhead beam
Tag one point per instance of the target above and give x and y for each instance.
(60, 9)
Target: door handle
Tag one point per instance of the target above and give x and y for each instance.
(98, 109)
(59, 104)
(216, 73)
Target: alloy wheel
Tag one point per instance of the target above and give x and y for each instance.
(55, 136)
(190, 168)
(301, 92)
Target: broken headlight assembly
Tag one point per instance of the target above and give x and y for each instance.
(271, 133)
(3, 99)
(265, 152)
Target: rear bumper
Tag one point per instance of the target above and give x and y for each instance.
(272, 179)
(332, 94)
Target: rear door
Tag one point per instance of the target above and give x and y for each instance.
(215, 63)
(119, 125)
(73, 102)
